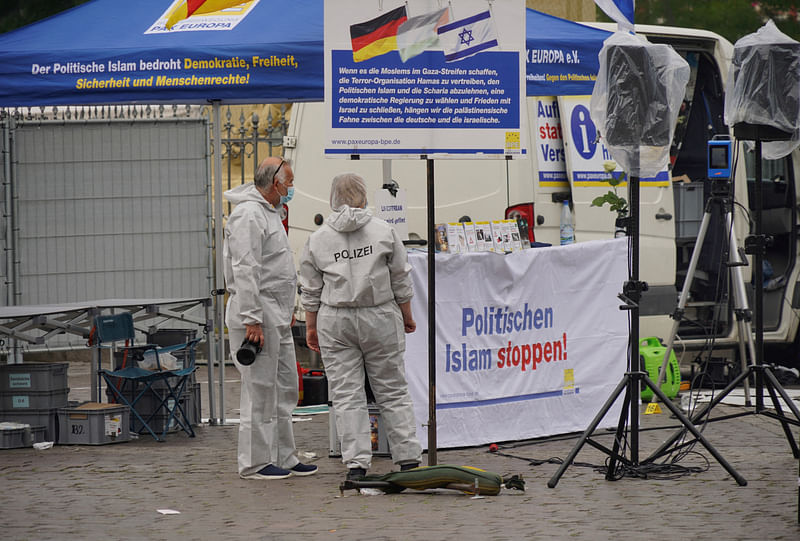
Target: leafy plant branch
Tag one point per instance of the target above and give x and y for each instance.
(616, 202)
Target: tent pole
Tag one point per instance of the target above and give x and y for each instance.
(219, 285)
(432, 458)
(211, 337)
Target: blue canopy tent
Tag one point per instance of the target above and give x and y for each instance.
(561, 55)
(274, 55)
(100, 53)
(111, 52)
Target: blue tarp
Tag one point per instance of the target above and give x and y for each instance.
(108, 34)
(99, 52)
(561, 55)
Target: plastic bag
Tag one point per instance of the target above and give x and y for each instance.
(764, 86)
(168, 361)
(636, 100)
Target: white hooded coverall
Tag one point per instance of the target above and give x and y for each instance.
(261, 281)
(354, 272)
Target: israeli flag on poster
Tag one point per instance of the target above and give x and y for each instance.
(466, 37)
(620, 11)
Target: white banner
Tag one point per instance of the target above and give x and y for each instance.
(528, 344)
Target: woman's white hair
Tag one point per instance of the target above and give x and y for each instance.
(348, 189)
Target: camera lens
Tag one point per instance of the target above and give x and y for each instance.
(247, 352)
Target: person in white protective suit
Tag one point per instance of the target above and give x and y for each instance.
(261, 281)
(356, 289)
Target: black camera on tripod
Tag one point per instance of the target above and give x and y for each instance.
(247, 352)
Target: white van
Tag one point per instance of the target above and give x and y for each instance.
(670, 214)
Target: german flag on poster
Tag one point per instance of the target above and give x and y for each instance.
(377, 36)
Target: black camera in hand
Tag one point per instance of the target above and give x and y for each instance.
(247, 352)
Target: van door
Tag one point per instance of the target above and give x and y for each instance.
(778, 223)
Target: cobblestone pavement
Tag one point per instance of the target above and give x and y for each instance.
(115, 491)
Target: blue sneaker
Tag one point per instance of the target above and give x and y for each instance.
(301, 469)
(268, 472)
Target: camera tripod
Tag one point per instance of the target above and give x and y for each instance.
(633, 378)
(763, 375)
(720, 199)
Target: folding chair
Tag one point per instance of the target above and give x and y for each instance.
(133, 385)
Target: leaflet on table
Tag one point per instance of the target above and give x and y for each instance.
(513, 231)
(522, 225)
(472, 239)
(500, 236)
(441, 238)
(483, 231)
(456, 238)
(497, 236)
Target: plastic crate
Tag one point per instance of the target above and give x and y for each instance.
(194, 406)
(148, 405)
(689, 207)
(380, 444)
(15, 435)
(46, 418)
(23, 399)
(33, 376)
(92, 423)
(157, 424)
(171, 337)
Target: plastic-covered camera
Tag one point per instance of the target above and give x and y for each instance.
(247, 352)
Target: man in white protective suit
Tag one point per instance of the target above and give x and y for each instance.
(261, 281)
(356, 289)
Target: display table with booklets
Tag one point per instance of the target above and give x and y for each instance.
(528, 344)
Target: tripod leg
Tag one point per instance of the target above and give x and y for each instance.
(588, 432)
(684, 296)
(777, 386)
(697, 415)
(741, 307)
(696, 433)
(620, 433)
(773, 385)
(744, 327)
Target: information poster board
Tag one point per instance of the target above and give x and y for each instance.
(412, 78)
(549, 143)
(585, 153)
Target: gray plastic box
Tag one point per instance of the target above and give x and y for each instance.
(33, 377)
(15, 435)
(47, 418)
(92, 423)
(23, 399)
(689, 207)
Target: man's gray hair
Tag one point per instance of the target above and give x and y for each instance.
(348, 189)
(266, 172)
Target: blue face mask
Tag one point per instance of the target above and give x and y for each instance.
(289, 194)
